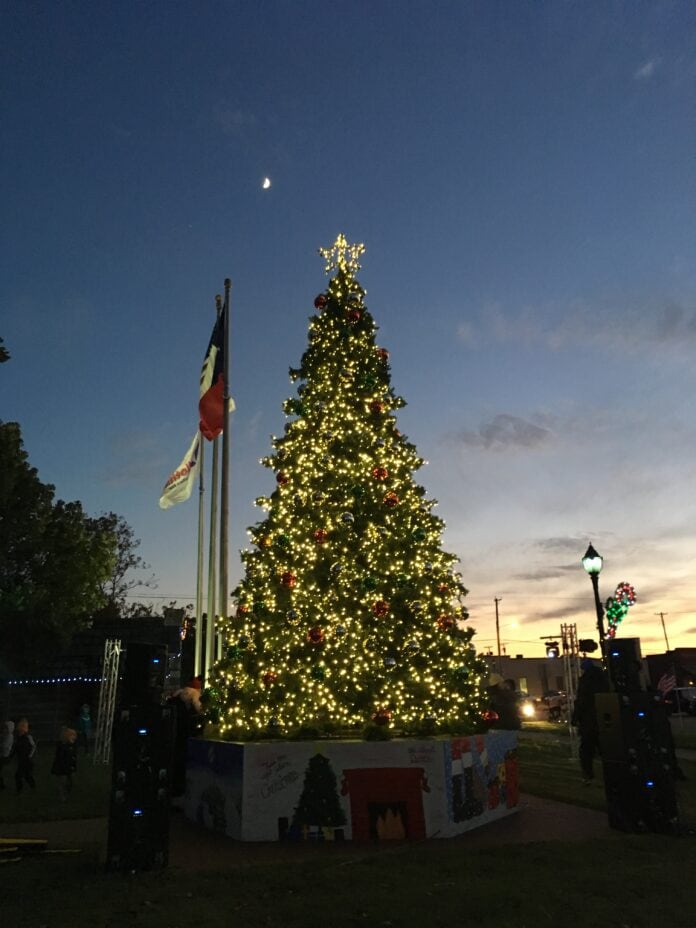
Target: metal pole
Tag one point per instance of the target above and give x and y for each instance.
(664, 629)
(212, 560)
(497, 635)
(224, 496)
(198, 640)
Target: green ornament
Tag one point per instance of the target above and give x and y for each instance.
(357, 491)
(234, 652)
(418, 534)
(260, 609)
(460, 674)
(369, 583)
(318, 673)
(401, 580)
(283, 541)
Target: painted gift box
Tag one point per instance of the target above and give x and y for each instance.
(351, 790)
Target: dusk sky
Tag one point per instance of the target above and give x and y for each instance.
(523, 176)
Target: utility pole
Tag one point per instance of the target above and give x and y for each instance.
(497, 633)
(664, 629)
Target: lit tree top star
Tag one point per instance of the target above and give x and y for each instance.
(342, 256)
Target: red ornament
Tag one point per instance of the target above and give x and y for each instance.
(288, 579)
(281, 478)
(391, 500)
(382, 354)
(242, 610)
(269, 677)
(445, 622)
(381, 717)
(443, 588)
(380, 608)
(316, 635)
(490, 716)
(376, 407)
(321, 536)
(380, 473)
(354, 315)
(320, 301)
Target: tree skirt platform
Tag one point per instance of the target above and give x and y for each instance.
(351, 790)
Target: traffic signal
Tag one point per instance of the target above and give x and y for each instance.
(552, 649)
(587, 645)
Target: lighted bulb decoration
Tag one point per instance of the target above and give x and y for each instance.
(347, 612)
(617, 607)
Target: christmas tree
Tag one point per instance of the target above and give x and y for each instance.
(349, 614)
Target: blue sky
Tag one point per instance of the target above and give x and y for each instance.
(523, 177)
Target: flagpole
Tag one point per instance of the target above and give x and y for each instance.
(212, 556)
(197, 659)
(224, 496)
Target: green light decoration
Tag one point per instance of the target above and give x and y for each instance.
(617, 607)
(348, 614)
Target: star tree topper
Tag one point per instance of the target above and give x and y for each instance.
(342, 256)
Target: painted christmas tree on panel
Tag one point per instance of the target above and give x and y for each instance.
(349, 615)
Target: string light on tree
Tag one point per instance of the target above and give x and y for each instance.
(349, 611)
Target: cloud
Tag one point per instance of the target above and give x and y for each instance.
(504, 431)
(232, 120)
(614, 328)
(549, 572)
(466, 334)
(563, 543)
(646, 71)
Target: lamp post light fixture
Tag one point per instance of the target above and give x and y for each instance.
(592, 562)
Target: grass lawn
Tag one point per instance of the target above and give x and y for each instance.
(640, 882)
(683, 730)
(89, 799)
(623, 882)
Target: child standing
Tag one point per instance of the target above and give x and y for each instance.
(84, 726)
(65, 760)
(24, 750)
(6, 745)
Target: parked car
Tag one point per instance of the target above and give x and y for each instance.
(681, 699)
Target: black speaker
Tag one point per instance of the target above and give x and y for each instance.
(638, 761)
(144, 674)
(625, 665)
(143, 743)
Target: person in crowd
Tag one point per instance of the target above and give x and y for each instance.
(65, 761)
(502, 701)
(84, 727)
(189, 722)
(593, 680)
(24, 750)
(6, 746)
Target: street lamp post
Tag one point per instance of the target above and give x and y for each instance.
(592, 562)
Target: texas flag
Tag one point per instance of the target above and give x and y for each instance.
(211, 405)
